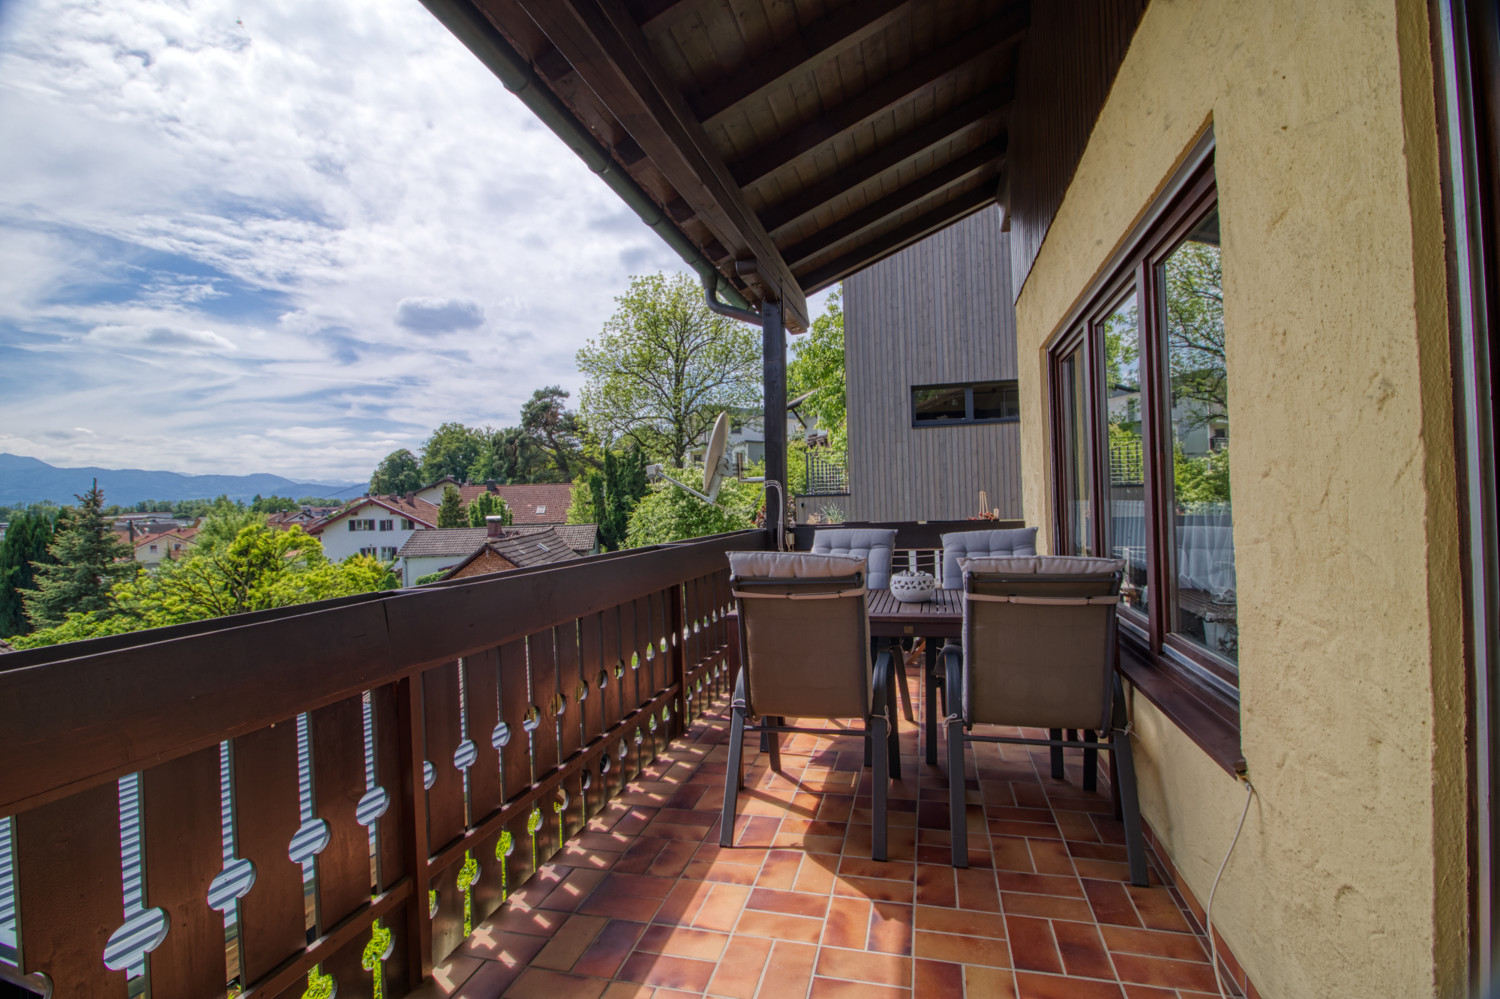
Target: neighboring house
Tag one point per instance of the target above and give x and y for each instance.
(530, 503)
(374, 525)
(304, 517)
(431, 551)
(152, 548)
(514, 551)
(930, 360)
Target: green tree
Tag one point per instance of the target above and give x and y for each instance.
(451, 512)
(517, 456)
(664, 366)
(452, 450)
(670, 514)
(547, 420)
(25, 545)
(88, 559)
(223, 520)
(817, 366)
(258, 569)
(614, 494)
(398, 473)
(272, 504)
(487, 505)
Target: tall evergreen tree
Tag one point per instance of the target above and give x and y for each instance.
(488, 505)
(25, 545)
(89, 557)
(618, 492)
(451, 513)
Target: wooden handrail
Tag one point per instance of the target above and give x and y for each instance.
(556, 683)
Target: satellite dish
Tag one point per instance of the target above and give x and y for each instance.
(714, 465)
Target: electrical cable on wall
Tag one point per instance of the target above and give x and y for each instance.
(1208, 911)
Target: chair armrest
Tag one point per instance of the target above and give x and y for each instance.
(953, 680)
(881, 680)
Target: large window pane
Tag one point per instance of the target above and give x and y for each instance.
(940, 404)
(1127, 480)
(1203, 549)
(997, 401)
(1077, 492)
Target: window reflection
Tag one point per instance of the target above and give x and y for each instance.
(1192, 284)
(1127, 479)
(1077, 494)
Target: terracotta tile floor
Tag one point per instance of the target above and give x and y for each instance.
(645, 903)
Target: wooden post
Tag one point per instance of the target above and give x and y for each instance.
(413, 803)
(773, 354)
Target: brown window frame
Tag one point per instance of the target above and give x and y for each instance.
(1194, 687)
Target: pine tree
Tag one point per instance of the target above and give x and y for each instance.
(89, 558)
(451, 513)
(25, 545)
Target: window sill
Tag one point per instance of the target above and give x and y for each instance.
(1211, 723)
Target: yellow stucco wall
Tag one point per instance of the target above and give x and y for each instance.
(1349, 879)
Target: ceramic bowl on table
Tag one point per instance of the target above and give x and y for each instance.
(911, 587)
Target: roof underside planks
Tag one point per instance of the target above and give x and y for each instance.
(792, 142)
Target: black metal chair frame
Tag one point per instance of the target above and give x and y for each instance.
(880, 726)
(1123, 772)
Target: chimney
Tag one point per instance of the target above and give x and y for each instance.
(494, 526)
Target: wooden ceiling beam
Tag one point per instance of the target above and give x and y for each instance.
(985, 159)
(608, 51)
(817, 43)
(899, 238)
(999, 32)
(653, 15)
(950, 125)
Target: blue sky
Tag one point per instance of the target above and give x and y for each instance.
(284, 236)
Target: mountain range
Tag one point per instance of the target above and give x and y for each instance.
(30, 480)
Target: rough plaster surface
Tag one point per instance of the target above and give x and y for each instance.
(1349, 879)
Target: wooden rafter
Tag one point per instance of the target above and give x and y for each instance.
(817, 43)
(984, 160)
(1004, 30)
(899, 238)
(607, 49)
(952, 124)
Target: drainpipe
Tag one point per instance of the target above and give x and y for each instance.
(715, 283)
(516, 74)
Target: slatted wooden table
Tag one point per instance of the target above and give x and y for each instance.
(942, 617)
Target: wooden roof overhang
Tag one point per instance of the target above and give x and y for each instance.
(781, 144)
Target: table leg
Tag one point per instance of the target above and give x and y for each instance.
(931, 685)
(900, 665)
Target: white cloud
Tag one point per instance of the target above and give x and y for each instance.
(288, 238)
(161, 338)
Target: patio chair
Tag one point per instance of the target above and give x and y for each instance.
(875, 544)
(804, 653)
(1001, 543)
(878, 545)
(1039, 652)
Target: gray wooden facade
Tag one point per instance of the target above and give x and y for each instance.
(938, 312)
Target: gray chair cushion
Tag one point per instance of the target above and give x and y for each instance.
(983, 544)
(809, 657)
(873, 543)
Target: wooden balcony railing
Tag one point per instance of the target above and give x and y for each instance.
(453, 737)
